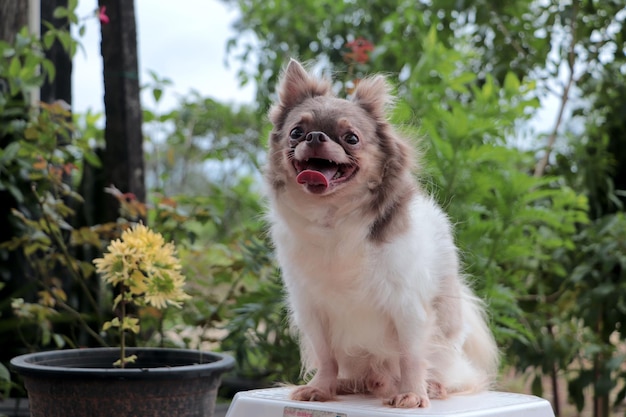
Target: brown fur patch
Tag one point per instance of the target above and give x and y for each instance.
(396, 187)
(296, 86)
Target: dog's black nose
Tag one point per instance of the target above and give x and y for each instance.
(315, 139)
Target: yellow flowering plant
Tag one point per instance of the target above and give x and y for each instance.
(146, 272)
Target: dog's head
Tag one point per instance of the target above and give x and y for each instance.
(327, 147)
(342, 152)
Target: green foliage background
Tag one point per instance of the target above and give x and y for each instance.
(545, 245)
(470, 74)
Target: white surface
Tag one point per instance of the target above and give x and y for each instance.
(274, 402)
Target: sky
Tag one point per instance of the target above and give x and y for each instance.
(183, 40)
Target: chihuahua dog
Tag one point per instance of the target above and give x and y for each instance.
(368, 259)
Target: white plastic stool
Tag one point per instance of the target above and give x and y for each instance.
(275, 402)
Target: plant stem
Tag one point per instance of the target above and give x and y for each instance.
(123, 334)
(571, 60)
(82, 321)
(554, 376)
(68, 258)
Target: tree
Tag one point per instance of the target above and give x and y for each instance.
(13, 17)
(60, 88)
(123, 160)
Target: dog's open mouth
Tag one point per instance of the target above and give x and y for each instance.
(319, 174)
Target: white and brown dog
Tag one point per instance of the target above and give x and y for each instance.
(368, 258)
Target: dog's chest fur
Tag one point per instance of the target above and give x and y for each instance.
(353, 285)
(327, 255)
(331, 251)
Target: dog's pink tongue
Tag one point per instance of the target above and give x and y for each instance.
(312, 177)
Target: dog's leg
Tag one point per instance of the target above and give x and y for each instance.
(413, 388)
(322, 387)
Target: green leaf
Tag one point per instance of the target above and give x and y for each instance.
(48, 39)
(128, 359)
(5, 381)
(148, 116)
(60, 12)
(156, 93)
(8, 52)
(59, 341)
(14, 67)
(537, 386)
(9, 154)
(431, 38)
(5, 375)
(15, 192)
(49, 68)
(92, 159)
(511, 83)
(131, 324)
(488, 88)
(115, 322)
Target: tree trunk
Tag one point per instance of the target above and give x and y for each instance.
(61, 87)
(13, 16)
(123, 156)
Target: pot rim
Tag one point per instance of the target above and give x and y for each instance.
(37, 364)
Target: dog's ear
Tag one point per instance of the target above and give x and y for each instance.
(295, 86)
(373, 94)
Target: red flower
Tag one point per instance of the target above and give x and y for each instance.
(102, 15)
(129, 196)
(360, 49)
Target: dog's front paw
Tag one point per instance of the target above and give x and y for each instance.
(409, 400)
(309, 393)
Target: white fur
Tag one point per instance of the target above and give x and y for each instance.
(366, 303)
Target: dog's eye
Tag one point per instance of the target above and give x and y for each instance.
(351, 139)
(296, 133)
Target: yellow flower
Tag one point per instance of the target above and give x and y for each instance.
(165, 287)
(118, 263)
(146, 266)
(146, 271)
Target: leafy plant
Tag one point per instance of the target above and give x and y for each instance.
(47, 157)
(146, 272)
(260, 338)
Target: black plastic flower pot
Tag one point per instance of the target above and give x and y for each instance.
(83, 382)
